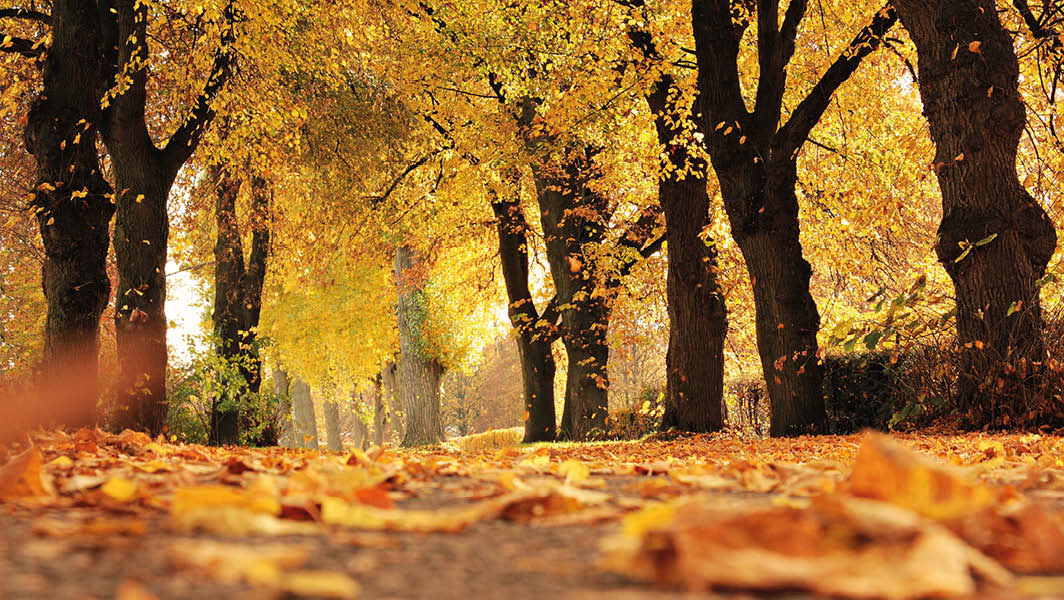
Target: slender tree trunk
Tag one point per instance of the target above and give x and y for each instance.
(332, 425)
(694, 364)
(568, 209)
(237, 304)
(534, 336)
(968, 82)
(228, 304)
(73, 207)
(380, 415)
(306, 423)
(417, 373)
(281, 386)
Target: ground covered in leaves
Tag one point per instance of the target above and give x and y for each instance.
(95, 515)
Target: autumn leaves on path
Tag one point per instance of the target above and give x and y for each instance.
(861, 517)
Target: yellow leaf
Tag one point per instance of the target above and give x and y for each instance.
(319, 584)
(974, 47)
(193, 498)
(61, 462)
(120, 489)
(574, 470)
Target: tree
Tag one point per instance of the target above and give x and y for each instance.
(698, 322)
(144, 173)
(755, 162)
(331, 408)
(238, 295)
(995, 240)
(418, 372)
(534, 330)
(72, 200)
(305, 421)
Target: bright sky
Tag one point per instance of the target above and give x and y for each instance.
(184, 310)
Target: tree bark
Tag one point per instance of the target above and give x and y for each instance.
(281, 386)
(306, 422)
(572, 215)
(755, 162)
(698, 322)
(968, 82)
(417, 372)
(332, 425)
(380, 415)
(534, 335)
(73, 208)
(145, 173)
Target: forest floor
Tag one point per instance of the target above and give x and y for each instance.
(96, 515)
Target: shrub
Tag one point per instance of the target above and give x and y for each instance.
(640, 421)
(861, 391)
(490, 440)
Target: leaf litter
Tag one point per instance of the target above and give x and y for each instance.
(870, 516)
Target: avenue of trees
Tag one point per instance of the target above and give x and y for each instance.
(580, 208)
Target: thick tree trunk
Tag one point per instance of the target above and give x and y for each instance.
(572, 217)
(533, 338)
(786, 316)
(754, 158)
(144, 174)
(306, 422)
(417, 373)
(694, 392)
(141, 233)
(331, 408)
(281, 387)
(73, 208)
(968, 82)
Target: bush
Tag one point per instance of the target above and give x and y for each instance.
(747, 407)
(490, 440)
(861, 391)
(638, 422)
(195, 386)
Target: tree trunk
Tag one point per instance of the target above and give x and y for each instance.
(568, 210)
(228, 306)
(698, 323)
(306, 423)
(380, 416)
(73, 209)
(968, 82)
(141, 233)
(237, 304)
(417, 374)
(786, 316)
(281, 386)
(534, 335)
(332, 425)
(754, 157)
(145, 173)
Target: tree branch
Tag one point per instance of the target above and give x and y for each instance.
(792, 135)
(184, 141)
(16, 45)
(27, 14)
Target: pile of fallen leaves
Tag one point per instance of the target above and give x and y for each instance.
(861, 516)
